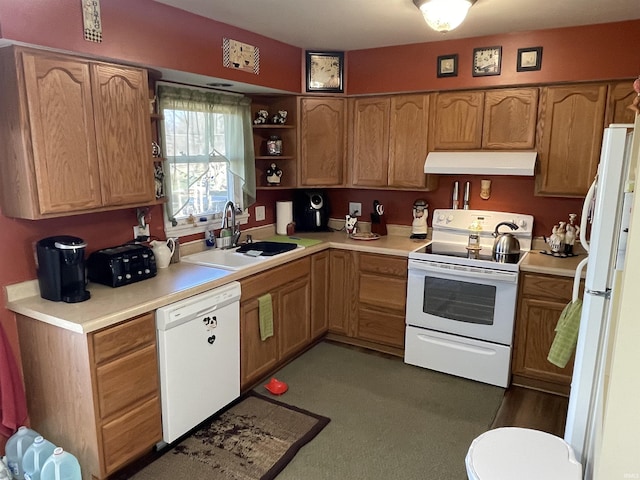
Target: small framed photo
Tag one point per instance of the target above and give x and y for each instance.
(487, 61)
(448, 65)
(325, 71)
(529, 59)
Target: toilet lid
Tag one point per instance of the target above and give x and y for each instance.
(511, 452)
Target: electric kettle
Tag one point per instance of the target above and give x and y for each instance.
(163, 251)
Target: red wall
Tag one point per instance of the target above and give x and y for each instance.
(596, 52)
(155, 35)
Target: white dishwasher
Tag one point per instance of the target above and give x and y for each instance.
(199, 357)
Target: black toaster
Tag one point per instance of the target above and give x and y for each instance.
(122, 265)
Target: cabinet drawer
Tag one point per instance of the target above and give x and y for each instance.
(556, 288)
(130, 436)
(383, 264)
(259, 284)
(126, 380)
(383, 292)
(379, 327)
(123, 338)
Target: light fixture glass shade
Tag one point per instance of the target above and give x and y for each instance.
(445, 15)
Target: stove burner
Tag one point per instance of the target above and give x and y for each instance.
(461, 251)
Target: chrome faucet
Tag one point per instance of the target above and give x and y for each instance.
(235, 229)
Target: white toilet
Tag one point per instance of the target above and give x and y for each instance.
(519, 453)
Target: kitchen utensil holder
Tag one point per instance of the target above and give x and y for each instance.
(224, 242)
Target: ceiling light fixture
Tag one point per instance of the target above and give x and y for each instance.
(444, 15)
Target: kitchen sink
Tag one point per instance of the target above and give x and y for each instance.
(242, 257)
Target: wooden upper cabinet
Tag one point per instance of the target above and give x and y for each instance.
(621, 95)
(122, 129)
(408, 140)
(60, 113)
(322, 141)
(510, 117)
(75, 135)
(570, 129)
(456, 122)
(370, 161)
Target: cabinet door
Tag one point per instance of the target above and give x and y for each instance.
(65, 159)
(257, 357)
(457, 121)
(322, 141)
(342, 291)
(620, 96)
(370, 141)
(408, 140)
(319, 294)
(571, 120)
(123, 134)
(510, 118)
(537, 321)
(294, 300)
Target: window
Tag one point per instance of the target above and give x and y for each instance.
(208, 146)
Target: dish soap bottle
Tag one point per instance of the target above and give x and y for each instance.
(474, 236)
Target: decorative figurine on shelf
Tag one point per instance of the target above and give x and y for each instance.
(280, 118)
(273, 175)
(274, 145)
(159, 180)
(155, 150)
(350, 224)
(571, 234)
(261, 117)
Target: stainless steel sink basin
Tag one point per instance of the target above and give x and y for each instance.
(231, 259)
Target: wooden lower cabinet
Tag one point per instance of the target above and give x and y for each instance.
(367, 298)
(382, 292)
(319, 294)
(290, 289)
(542, 299)
(97, 395)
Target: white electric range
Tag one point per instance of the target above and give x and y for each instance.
(461, 302)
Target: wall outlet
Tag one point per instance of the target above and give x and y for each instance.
(138, 231)
(355, 209)
(260, 213)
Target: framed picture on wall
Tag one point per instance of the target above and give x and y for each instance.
(448, 65)
(325, 71)
(529, 59)
(487, 61)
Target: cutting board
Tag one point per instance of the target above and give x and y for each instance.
(305, 242)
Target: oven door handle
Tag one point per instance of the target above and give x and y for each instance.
(473, 273)
(457, 345)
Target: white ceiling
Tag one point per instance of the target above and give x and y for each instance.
(359, 24)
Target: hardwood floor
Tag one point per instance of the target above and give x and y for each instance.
(523, 407)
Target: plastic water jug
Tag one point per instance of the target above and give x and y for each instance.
(61, 466)
(35, 456)
(16, 447)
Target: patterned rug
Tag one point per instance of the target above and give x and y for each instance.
(253, 440)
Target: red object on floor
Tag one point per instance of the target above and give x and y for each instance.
(276, 387)
(13, 403)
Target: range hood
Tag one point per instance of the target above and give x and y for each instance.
(481, 163)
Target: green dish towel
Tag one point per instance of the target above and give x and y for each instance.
(305, 242)
(265, 308)
(566, 337)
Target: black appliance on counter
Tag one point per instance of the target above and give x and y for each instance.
(61, 269)
(122, 265)
(310, 211)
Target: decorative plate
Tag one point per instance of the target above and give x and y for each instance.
(364, 236)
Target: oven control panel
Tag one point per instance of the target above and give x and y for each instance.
(461, 220)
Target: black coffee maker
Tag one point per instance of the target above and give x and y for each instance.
(61, 270)
(310, 211)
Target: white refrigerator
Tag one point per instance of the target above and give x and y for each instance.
(609, 200)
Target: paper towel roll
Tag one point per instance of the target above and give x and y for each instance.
(284, 216)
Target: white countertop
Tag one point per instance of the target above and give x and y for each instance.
(108, 306)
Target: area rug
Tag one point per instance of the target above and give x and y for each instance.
(253, 440)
